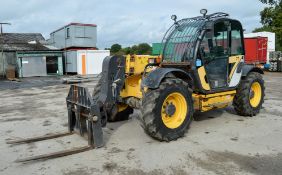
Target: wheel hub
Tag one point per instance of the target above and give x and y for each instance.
(174, 110)
(170, 109)
(255, 94)
(252, 94)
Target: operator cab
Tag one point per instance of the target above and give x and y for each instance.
(209, 47)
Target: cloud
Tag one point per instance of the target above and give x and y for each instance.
(125, 21)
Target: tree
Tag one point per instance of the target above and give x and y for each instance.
(140, 49)
(271, 2)
(115, 48)
(271, 19)
(126, 50)
(144, 49)
(134, 49)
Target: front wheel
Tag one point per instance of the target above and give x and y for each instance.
(168, 110)
(250, 95)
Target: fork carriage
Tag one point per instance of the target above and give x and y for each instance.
(84, 115)
(84, 118)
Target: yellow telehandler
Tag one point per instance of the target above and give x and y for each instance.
(200, 68)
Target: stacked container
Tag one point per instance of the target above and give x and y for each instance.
(275, 60)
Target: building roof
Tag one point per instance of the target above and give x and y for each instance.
(74, 24)
(22, 42)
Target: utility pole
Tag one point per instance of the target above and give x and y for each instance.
(2, 42)
(3, 23)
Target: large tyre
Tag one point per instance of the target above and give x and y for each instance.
(121, 113)
(250, 95)
(97, 88)
(168, 110)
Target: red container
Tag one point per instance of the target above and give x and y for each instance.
(256, 50)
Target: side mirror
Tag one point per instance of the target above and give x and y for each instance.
(209, 34)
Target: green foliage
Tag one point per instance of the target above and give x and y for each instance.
(271, 19)
(140, 49)
(126, 50)
(144, 49)
(263, 29)
(134, 49)
(270, 2)
(115, 48)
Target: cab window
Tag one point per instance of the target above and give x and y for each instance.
(217, 46)
(236, 39)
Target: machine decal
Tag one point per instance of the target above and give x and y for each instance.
(235, 76)
(202, 75)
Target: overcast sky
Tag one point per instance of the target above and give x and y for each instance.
(126, 22)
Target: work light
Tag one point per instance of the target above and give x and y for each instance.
(204, 12)
(173, 17)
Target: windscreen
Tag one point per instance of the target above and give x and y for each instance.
(180, 40)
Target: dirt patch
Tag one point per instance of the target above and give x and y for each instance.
(81, 171)
(234, 138)
(47, 123)
(110, 166)
(272, 112)
(229, 163)
(141, 172)
(115, 150)
(14, 119)
(128, 171)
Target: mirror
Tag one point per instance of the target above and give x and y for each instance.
(209, 34)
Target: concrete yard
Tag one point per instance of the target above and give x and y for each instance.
(218, 142)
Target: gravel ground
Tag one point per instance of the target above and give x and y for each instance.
(218, 142)
(30, 82)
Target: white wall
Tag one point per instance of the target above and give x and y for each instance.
(94, 60)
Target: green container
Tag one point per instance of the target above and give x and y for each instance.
(157, 48)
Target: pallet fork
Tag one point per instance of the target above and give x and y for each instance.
(83, 117)
(86, 115)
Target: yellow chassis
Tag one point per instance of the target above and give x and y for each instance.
(135, 65)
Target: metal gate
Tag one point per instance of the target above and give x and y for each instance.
(33, 66)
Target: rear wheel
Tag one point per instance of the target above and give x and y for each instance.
(250, 95)
(119, 113)
(167, 111)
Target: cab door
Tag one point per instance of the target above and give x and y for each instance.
(214, 54)
(236, 59)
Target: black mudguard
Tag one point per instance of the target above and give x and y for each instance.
(247, 68)
(155, 77)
